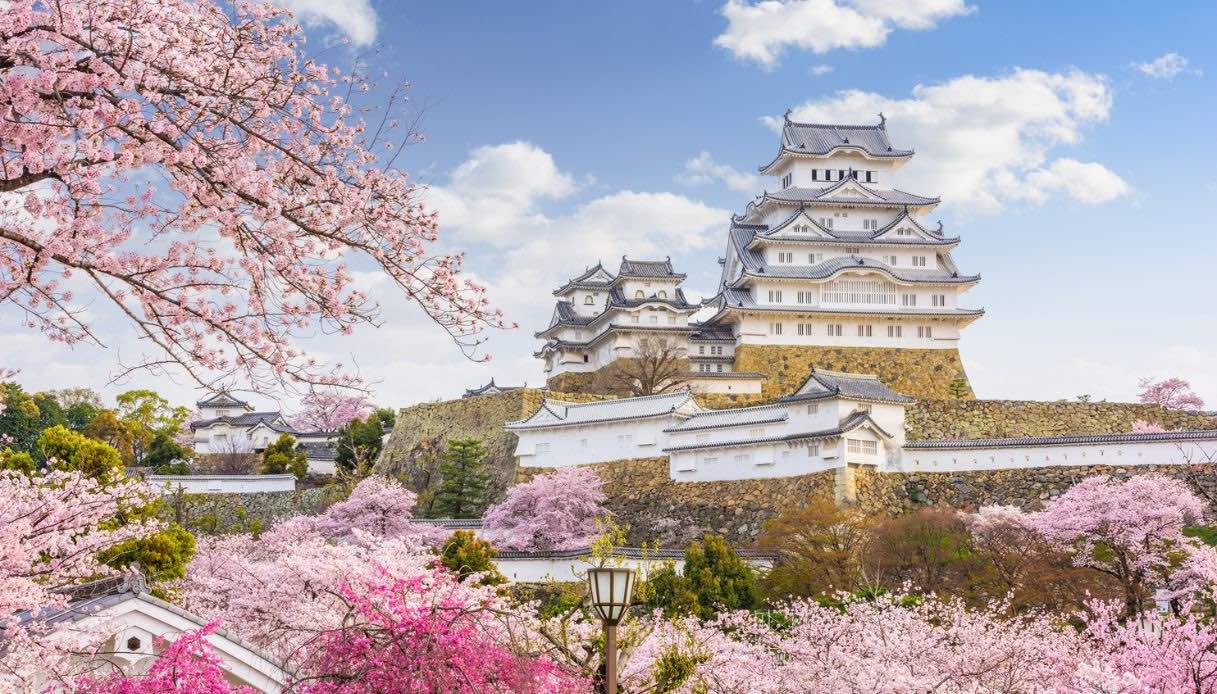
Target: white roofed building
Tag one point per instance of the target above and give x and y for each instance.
(838, 255)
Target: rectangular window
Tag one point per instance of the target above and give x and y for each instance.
(543, 448)
(919, 261)
(853, 249)
(775, 328)
(775, 296)
(908, 299)
(925, 331)
(813, 258)
(864, 331)
(862, 447)
(583, 443)
(813, 449)
(633, 319)
(785, 257)
(893, 331)
(654, 320)
(939, 299)
(786, 180)
(834, 330)
(710, 461)
(701, 349)
(826, 222)
(840, 174)
(813, 408)
(625, 438)
(870, 177)
(815, 174)
(805, 329)
(720, 368)
(742, 457)
(890, 260)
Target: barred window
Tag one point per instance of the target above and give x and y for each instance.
(862, 447)
(859, 291)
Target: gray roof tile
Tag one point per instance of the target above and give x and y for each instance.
(851, 422)
(561, 413)
(824, 384)
(1080, 440)
(648, 268)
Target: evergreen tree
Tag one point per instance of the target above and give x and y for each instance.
(20, 420)
(166, 456)
(719, 578)
(359, 443)
(282, 456)
(466, 554)
(463, 481)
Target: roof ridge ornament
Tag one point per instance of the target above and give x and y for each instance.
(786, 116)
(882, 122)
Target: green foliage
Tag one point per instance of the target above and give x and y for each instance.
(17, 460)
(666, 590)
(674, 667)
(360, 441)
(162, 556)
(466, 554)
(78, 416)
(107, 427)
(146, 413)
(1206, 533)
(64, 449)
(464, 479)
(50, 413)
(282, 456)
(719, 578)
(958, 389)
(167, 456)
(20, 422)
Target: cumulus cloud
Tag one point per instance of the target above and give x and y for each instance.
(703, 170)
(761, 31)
(1167, 66)
(982, 141)
(354, 18)
(819, 70)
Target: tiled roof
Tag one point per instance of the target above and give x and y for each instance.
(1082, 440)
(561, 413)
(853, 421)
(783, 231)
(825, 384)
(754, 264)
(742, 416)
(712, 333)
(585, 280)
(246, 420)
(617, 298)
(222, 399)
(452, 523)
(491, 387)
(319, 450)
(825, 195)
(612, 330)
(648, 268)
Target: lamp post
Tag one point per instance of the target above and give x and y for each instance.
(610, 589)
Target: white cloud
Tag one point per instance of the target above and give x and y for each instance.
(703, 170)
(1167, 66)
(354, 18)
(761, 31)
(982, 141)
(819, 70)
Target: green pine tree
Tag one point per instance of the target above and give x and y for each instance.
(463, 481)
(282, 456)
(719, 578)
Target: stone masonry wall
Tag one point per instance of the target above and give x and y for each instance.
(209, 514)
(936, 419)
(922, 373)
(641, 494)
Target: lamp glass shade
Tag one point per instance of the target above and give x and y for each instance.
(610, 589)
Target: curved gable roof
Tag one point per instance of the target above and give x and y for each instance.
(822, 139)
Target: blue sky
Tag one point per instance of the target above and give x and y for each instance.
(1070, 141)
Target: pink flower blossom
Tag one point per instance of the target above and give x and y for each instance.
(557, 510)
(1172, 393)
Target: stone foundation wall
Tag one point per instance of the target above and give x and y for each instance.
(210, 514)
(922, 373)
(673, 514)
(892, 493)
(972, 419)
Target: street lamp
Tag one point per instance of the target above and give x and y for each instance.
(610, 589)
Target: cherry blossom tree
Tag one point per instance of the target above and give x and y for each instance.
(328, 410)
(557, 510)
(392, 641)
(377, 506)
(187, 665)
(1126, 529)
(1172, 393)
(1140, 426)
(52, 527)
(183, 161)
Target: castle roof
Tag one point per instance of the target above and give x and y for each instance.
(854, 421)
(822, 139)
(741, 299)
(822, 384)
(784, 231)
(489, 389)
(222, 399)
(834, 195)
(595, 277)
(648, 268)
(739, 416)
(560, 413)
(247, 420)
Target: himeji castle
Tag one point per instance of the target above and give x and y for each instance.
(838, 254)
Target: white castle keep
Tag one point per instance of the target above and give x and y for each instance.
(837, 256)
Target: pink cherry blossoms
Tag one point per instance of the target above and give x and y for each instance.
(271, 186)
(330, 410)
(187, 665)
(557, 510)
(1172, 393)
(378, 506)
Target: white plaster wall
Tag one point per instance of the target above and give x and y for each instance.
(1135, 453)
(755, 330)
(593, 443)
(725, 385)
(222, 484)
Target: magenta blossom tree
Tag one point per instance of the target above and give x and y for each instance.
(186, 665)
(1172, 393)
(272, 183)
(328, 410)
(392, 642)
(1131, 530)
(377, 506)
(557, 510)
